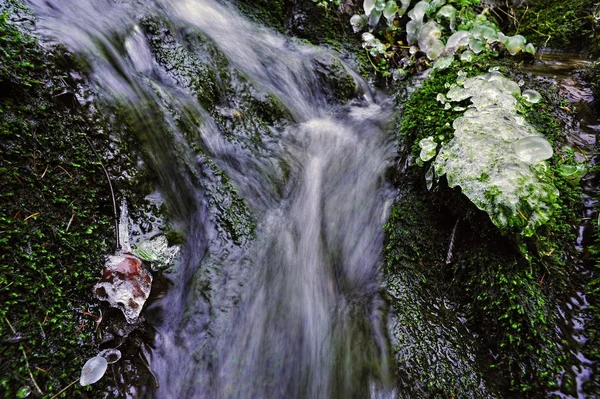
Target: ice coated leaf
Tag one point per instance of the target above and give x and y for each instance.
(368, 6)
(495, 155)
(93, 370)
(390, 10)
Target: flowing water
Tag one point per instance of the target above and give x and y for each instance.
(295, 311)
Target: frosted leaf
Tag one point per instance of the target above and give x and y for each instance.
(368, 6)
(111, 355)
(380, 5)
(441, 98)
(404, 7)
(514, 44)
(374, 18)
(368, 39)
(430, 177)
(573, 171)
(459, 109)
(476, 45)
(93, 370)
(494, 155)
(429, 39)
(23, 392)
(435, 4)
(530, 48)
(457, 40)
(444, 62)
(467, 56)
(531, 96)
(504, 84)
(533, 149)
(418, 11)
(390, 10)
(428, 148)
(380, 47)
(485, 33)
(358, 22)
(447, 12)
(412, 31)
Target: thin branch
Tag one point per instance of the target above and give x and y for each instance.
(26, 360)
(112, 192)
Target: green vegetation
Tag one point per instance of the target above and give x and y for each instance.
(569, 25)
(507, 285)
(55, 220)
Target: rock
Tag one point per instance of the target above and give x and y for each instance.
(125, 285)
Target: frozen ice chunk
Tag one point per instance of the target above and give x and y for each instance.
(368, 39)
(457, 40)
(374, 18)
(467, 56)
(125, 285)
(435, 4)
(412, 31)
(157, 252)
(93, 370)
(485, 32)
(514, 44)
(428, 148)
(390, 10)
(494, 153)
(530, 48)
(368, 6)
(476, 45)
(447, 12)
(358, 22)
(444, 62)
(531, 96)
(111, 355)
(533, 149)
(418, 11)
(429, 40)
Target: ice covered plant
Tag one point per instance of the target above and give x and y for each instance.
(496, 157)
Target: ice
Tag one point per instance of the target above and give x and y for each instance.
(390, 10)
(358, 22)
(533, 149)
(93, 370)
(531, 96)
(447, 12)
(428, 148)
(457, 40)
(514, 44)
(125, 285)
(368, 6)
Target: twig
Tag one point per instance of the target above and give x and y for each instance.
(70, 220)
(26, 360)
(44, 174)
(112, 192)
(32, 215)
(451, 246)
(71, 176)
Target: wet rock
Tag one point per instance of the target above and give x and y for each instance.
(125, 285)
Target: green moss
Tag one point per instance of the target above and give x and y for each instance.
(555, 23)
(55, 218)
(271, 13)
(506, 285)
